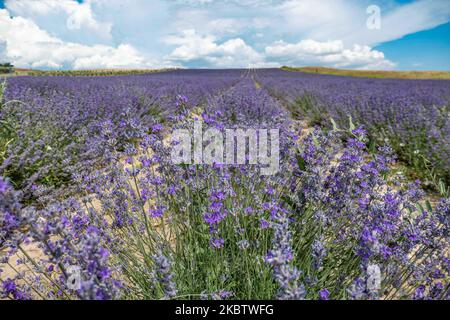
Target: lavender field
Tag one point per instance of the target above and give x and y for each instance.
(92, 205)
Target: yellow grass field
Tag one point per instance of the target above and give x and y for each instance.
(374, 74)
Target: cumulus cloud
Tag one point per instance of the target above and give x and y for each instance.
(192, 46)
(304, 47)
(329, 53)
(65, 18)
(26, 45)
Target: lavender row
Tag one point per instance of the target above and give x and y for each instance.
(412, 115)
(54, 123)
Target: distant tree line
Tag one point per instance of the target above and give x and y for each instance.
(6, 67)
(94, 73)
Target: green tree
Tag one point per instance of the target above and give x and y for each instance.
(6, 67)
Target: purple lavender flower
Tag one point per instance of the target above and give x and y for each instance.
(324, 294)
(3, 186)
(10, 289)
(163, 275)
(217, 243)
(280, 257)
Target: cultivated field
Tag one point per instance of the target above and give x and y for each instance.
(78, 73)
(93, 206)
(374, 74)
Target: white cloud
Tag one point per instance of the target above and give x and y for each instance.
(346, 19)
(208, 22)
(304, 47)
(193, 46)
(26, 45)
(401, 21)
(329, 53)
(123, 56)
(64, 17)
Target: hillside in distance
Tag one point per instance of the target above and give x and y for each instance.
(373, 73)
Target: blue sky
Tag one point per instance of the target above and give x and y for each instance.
(69, 34)
(425, 50)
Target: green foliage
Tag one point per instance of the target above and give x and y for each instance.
(6, 68)
(7, 132)
(40, 148)
(308, 106)
(186, 239)
(341, 256)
